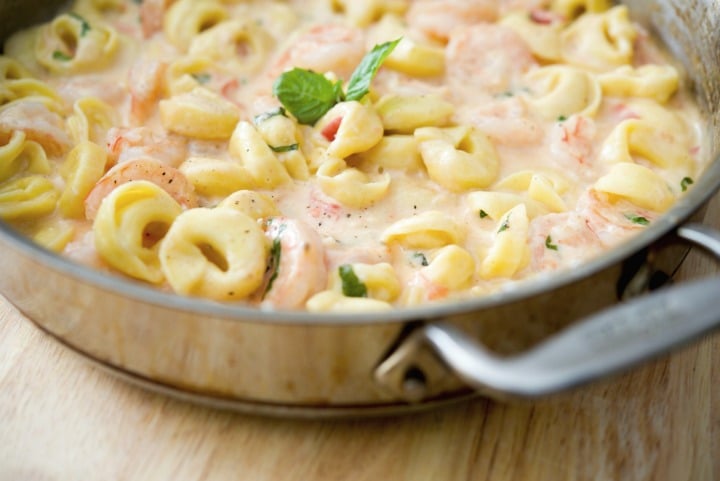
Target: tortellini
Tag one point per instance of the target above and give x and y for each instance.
(27, 198)
(638, 184)
(256, 156)
(600, 41)
(405, 113)
(201, 114)
(351, 128)
(187, 18)
(350, 186)
(658, 82)
(242, 43)
(214, 253)
(129, 225)
(84, 166)
(559, 91)
(461, 160)
(428, 230)
(509, 252)
(71, 44)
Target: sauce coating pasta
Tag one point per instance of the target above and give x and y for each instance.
(332, 155)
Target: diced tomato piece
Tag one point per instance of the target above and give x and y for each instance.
(331, 129)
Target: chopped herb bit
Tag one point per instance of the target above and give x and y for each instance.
(58, 55)
(483, 214)
(309, 95)
(137, 2)
(685, 183)
(419, 258)
(549, 244)
(351, 285)
(362, 77)
(637, 219)
(258, 119)
(274, 265)
(84, 25)
(562, 118)
(284, 148)
(201, 78)
(505, 225)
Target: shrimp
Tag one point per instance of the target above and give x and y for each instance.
(145, 82)
(166, 177)
(73, 89)
(301, 268)
(561, 240)
(39, 123)
(487, 57)
(324, 48)
(439, 18)
(124, 144)
(505, 120)
(571, 142)
(612, 220)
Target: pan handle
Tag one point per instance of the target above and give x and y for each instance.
(604, 343)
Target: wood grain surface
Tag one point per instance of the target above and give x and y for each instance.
(63, 419)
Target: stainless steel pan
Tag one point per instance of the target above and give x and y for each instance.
(304, 364)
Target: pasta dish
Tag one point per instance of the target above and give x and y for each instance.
(330, 155)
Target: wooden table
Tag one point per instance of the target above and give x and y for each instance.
(63, 419)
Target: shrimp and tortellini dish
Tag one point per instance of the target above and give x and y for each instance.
(329, 155)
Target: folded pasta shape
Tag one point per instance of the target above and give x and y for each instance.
(185, 19)
(573, 8)
(284, 138)
(83, 167)
(254, 154)
(27, 198)
(11, 69)
(241, 45)
(451, 268)
(253, 204)
(333, 301)
(394, 152)
(470, 163)
(216, 253)
(410, 56)
(9, 154)
(658, 82)
(69, 44)
(30, 90)
(185, 74)
(637, 184)
(216, 177)
(428, 230)
(559, 91)
(509, 252)
(494, 205)
(542, 39)
(201, 114)
(600, 41)
(91, 120)
(380, 280)
(129, 225)
(366, 12)
(658, 136)
(403, 114)
(350, 186)
(351, 128)
(54, 236)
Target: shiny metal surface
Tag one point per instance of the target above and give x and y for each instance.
(605, 343)
(300, 361)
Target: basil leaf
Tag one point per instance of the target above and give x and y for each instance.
(284, 148)
(685, 183)
(420, 258)
(58, 55)
(84, 25)
(549, 244)
(351, 285)
(637, 219)
(201, 78)
(274, 266)
(306, 94)
(258, 119)
(362, 77)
